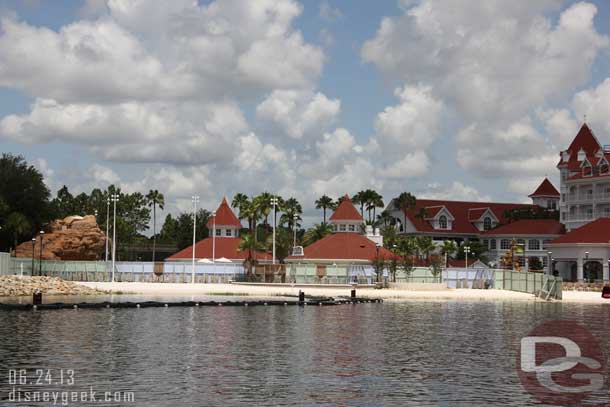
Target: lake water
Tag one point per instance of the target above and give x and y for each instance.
(394, 354)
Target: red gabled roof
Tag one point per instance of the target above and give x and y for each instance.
(529, 227)
(432, 211)
(546, 188)
(475, 214)
(224, 216)
(344, 246)
(585, 140)
(597, 231)
(225, 247)
(346, 211)
(460, 211)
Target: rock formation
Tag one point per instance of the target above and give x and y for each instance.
(72, 238)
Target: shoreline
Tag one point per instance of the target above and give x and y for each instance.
(386, 294)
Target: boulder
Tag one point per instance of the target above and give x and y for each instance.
(72, 238)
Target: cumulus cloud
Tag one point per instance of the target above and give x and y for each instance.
(456, 191)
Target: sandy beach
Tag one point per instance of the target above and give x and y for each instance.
(388, 294)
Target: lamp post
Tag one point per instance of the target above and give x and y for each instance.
(40, 257)
(33, 255)
(194, 199)
(274, 202)
(550, 262)
(114, 198)
(214, 237)
(107, 227)
(466, 251)
(295, 217)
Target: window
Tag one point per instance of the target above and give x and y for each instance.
(505, 244)
(487, 223)
(607, 212)
(442, 222)
(492, 244)
(586, 171)
(218, 232)
(342, 228)
(228, 232)
(486, 243)
(589, 213)
(335, 228)
(533, 244)
(603, 169)
(352, 228)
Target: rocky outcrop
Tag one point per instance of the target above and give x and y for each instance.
(72, 238)
(18, 286)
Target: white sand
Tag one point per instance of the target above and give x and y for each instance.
(393, 294)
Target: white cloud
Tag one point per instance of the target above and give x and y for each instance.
(297, 114)
(328, 12)
(595, 104)
(456, 191)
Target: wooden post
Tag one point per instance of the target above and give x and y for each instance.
(301, 297)
(37, 297)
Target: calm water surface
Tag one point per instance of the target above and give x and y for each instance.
(391, 354)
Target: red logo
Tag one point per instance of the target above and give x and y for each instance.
(561, 363)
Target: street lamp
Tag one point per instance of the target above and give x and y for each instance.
(194, 199)
(466, 251)
(114, 198)
(295, 218)
(40, 258)
(274, 202)
(214, 237)
(107, 227)
(33, 255)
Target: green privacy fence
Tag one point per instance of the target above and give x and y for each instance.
(528, 282)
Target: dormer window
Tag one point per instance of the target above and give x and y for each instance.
(487, 223)
(565, 156)
(581, 155)
(587, 171)
(442, 222)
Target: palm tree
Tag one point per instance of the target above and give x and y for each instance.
(385, 219)
(373, 201)
(17, 223)
(425, 246)
(292, 210)
(325, 202)
(360, 198)
(248, 243)
(316, 233)
(239, 202)
(447, 249)
(404, 202)
(154, 199)
(263, 203)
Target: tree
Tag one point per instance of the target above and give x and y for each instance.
(393, 267)
(154, 199)
(407, 248)
(239, 202)
(385, 219)
(264, 206)
(283, 243)
(179, 231)
(379, 263)
(292, 213)
(535, 264)
(360, 199)
(448, 249)
(316, 233)
(19, 225)
(372, 200)
(477, 251)
(251, 246)
(404, 202)
(435, 266)
(22, 189)
(325, 202)
(425, 246)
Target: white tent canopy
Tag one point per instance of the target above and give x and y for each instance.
(206, 261)
(223, 260)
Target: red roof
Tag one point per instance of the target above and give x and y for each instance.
(224, 216)
(585, 140)
(529, 227)
(545, 189)
(344, 246)
(460, 211)
(597, 231)
(476, 213)
(225, 247)
(432, 211)
(346, 211)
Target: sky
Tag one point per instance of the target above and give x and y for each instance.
(447, 99)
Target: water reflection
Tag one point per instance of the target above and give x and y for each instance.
(426, 353)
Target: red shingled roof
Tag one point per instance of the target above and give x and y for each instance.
(475, 214)
(346, 211)
(529, 227)
(225, 247)
(460, 211)
(432, 211)
(343, 246)
(597, 231)
(545, 189)
(585, 140)
(224, 216)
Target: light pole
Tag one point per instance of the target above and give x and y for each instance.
(214, 239)
(107, 227)
(33, 255)
(295, 218)
(466, 251)
(274, 202)
(194, 199)
(114, 198)
(40, 257)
